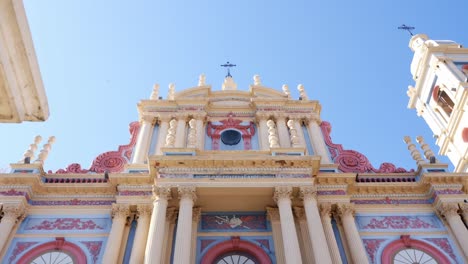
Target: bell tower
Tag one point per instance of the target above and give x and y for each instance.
(440, 94)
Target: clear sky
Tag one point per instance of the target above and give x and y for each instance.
(99, 58)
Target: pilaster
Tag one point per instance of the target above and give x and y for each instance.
(120, 213)
(358, 252)
(183, 241)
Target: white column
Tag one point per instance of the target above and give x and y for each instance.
(143, 140)
(11, 214)
(196, 214)
(283, 132)
(120, 213)
(162, 133)
(291, 245)
(180, 132)
(304, 235)
(171, 216)
(450, 212)
(141, 234)
(358, 252)
(201, 131)
(317, 236)
(157, 225)
(273, 216)
(318, 141)
(325, 212)
(184, 225)
(262, 131)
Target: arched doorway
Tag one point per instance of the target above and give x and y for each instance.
(236, 251)
(58, 251)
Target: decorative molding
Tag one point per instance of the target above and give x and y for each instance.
(72, 202)
(397, 223)
(60, 224)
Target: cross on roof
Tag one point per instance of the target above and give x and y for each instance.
(228, 65)
(407, 28)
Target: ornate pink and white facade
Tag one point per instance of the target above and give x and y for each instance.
(233, 176)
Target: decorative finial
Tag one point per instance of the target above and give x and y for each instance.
(155, 92)
(171, 94)
(407, 28)
(201, 80)
(29, 154)
(302, 92)
(228, 65)
(413, 150)
(427, 150)
(286, 91)
(45, 150)
(257, 80)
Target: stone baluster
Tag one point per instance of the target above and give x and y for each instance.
(272, 135)
(154, 245)
(120, 213)
(143, 140)
(413, 151)
(307, 251)
(294, 136)
(358, 252)
(302, 92)
(273, 216)
(12, 213)
(155, 93)
(141, 233)
(202, 80)
(171, 134)
(180, 132)
(28, 156)
(325, 213)
(428, 153)
(45, 150)
(283, 133)
(286, 91)
(171, 92)
(450, 212)
(317, 140)
(317, 235)
(162, 134)
(183, 241)
(192, 134)
(196, 214)
(292, 252)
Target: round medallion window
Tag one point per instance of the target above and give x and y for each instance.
(231, 137)
(53, 257)
(413, 256)
(236, 258)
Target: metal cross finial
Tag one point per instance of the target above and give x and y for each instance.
(407, 28)
(228, 65)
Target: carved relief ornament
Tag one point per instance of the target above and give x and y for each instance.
(144, 210)
(120, 210)
(187, 192)
(448, 210)
(325, 210)
(282, 192)
(309, 192)
(162, 193)
(345, 210)
(13, 212)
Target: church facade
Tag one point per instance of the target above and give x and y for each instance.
(233, 176)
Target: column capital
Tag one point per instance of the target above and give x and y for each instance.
(299, 212)
(144, 210)
(147, 119)
(280, 116)
(164, 118)
(325, 210)
(262, 116)
(196, 214)
(182, 116)
(448, 209)
(463, 207)
(162, 193)
(282, 192)
(13, 212)
(273, 214)
(344, 210)
(187, 192)
(308, 192)
(199, 115)
(120, 210)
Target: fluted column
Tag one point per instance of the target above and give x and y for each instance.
(464, 211)
(283, 132)
(162, 133)
(291, 245)
(450, 212)
(304, 234)
(325, 213)
(184, 225)
(143, 140)
(358, 252)
(273, 216)
(141, 234)
(11, 214)
(180, 132)
(263, 131)
(317, 236)
(196, 214)
(157, 226)
(317, 140)
(120, 213)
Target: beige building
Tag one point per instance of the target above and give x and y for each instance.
(233, 175)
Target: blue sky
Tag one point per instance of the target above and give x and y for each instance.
(99, 58)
